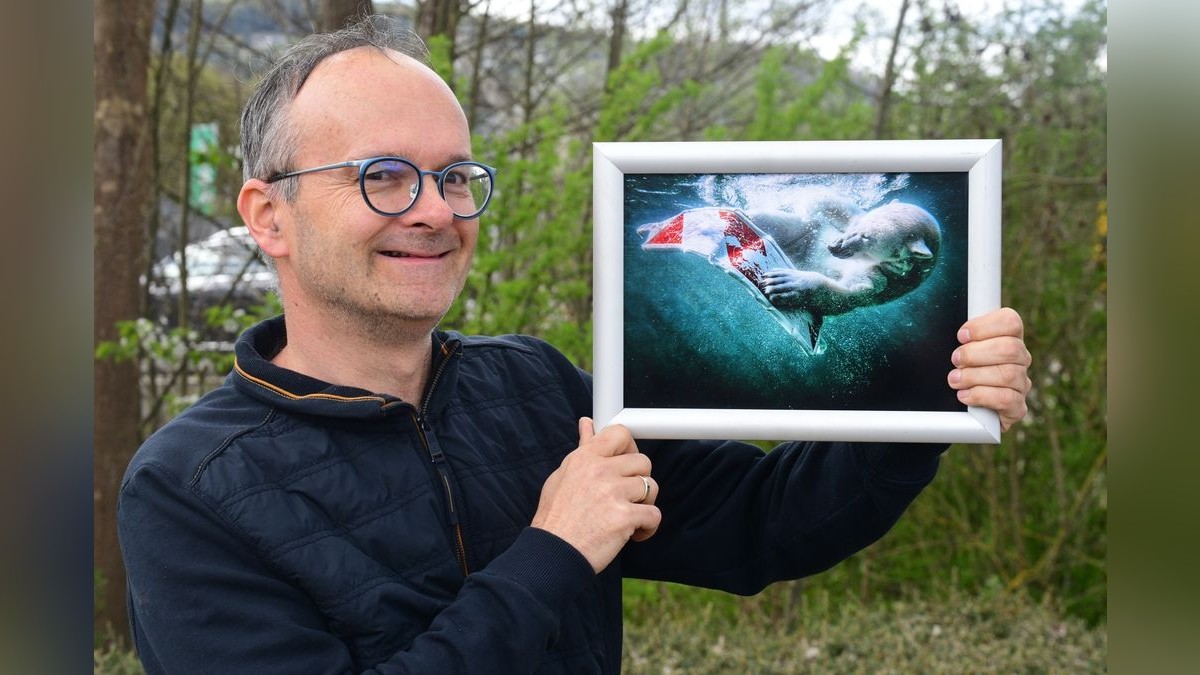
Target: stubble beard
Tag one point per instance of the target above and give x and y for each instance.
(357, 304)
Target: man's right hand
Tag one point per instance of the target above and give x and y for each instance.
(593, 501)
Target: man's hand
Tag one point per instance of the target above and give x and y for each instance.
(597, 499)
(991, 366)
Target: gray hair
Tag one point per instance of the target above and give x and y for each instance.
(268, 139)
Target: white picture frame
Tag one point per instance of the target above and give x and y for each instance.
(978, 161)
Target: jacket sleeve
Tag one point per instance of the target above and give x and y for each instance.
(202, 600)
(737, 519)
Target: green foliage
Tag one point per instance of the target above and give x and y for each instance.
(218, 99)
(440, 60)
(177, 365)
(532, 271)
(1027, 517)
(1031, 513)
(115, 659)
(635, 100)
(527, 276)
(825, 108)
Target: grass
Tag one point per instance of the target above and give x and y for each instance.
(670, 629)
(991, 633)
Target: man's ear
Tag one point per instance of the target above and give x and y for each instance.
(258, 204)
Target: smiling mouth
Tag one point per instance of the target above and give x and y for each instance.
(402, 254)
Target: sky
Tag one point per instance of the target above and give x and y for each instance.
(873, 53)
(880, 16)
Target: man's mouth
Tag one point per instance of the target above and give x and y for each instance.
(405, 254)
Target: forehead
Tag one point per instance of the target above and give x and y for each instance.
(364, 102)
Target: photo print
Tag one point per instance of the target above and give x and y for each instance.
(793, 291)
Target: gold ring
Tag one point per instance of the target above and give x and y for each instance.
(646, 483)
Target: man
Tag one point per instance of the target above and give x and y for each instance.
(367, 493)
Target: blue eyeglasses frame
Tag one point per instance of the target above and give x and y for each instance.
(439, 176)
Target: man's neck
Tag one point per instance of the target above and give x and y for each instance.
(339, 354)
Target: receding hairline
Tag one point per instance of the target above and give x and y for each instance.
(311, 115)
(399, 58)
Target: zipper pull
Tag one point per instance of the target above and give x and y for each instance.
(431, 442)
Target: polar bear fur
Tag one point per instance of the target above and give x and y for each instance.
(846, 258)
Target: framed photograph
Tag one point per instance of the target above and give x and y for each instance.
(792, 290)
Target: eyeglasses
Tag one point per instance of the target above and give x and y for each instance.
(391, 185)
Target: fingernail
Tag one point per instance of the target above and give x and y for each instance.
(964, 335)
(956, 357)
(962, 395)
(955, 376)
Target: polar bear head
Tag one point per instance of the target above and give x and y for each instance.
(897, 237)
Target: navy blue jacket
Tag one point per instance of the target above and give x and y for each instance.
(283, 524)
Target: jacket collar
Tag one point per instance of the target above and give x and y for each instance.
(255, 375)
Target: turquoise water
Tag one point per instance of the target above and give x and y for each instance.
(696, 337)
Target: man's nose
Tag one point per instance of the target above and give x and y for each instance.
(429, 207)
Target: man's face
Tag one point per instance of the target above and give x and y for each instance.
(344, 262)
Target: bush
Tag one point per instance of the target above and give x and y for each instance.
(113, 659)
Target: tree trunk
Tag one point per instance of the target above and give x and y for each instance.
(185, 187)
(530, 64)
(440, 18)
(120, 164)
(477, 67)
(333, 14)
(889, 75)
(616, 39)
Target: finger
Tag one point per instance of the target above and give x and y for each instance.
(614, 440)
(991, 352)
(645, 491)
(587, 429)
(1001, 322)
(649, 518)
(630, 464)
(1009, 404)
(1011, 375)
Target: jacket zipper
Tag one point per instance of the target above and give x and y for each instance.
(439, 462)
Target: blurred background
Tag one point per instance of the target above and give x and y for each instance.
(999, 565)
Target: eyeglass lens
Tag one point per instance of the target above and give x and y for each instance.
(391, 186)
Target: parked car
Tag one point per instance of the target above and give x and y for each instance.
(224, 268)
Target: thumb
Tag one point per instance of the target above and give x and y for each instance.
(587, 429)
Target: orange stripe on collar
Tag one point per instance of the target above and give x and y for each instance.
(298, 397)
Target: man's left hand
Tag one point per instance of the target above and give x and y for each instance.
(992, 365)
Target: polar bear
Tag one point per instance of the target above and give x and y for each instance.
(846, 258)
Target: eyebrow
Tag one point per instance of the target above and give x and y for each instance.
(456, 157)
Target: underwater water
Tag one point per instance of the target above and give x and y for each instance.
(696, 337)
